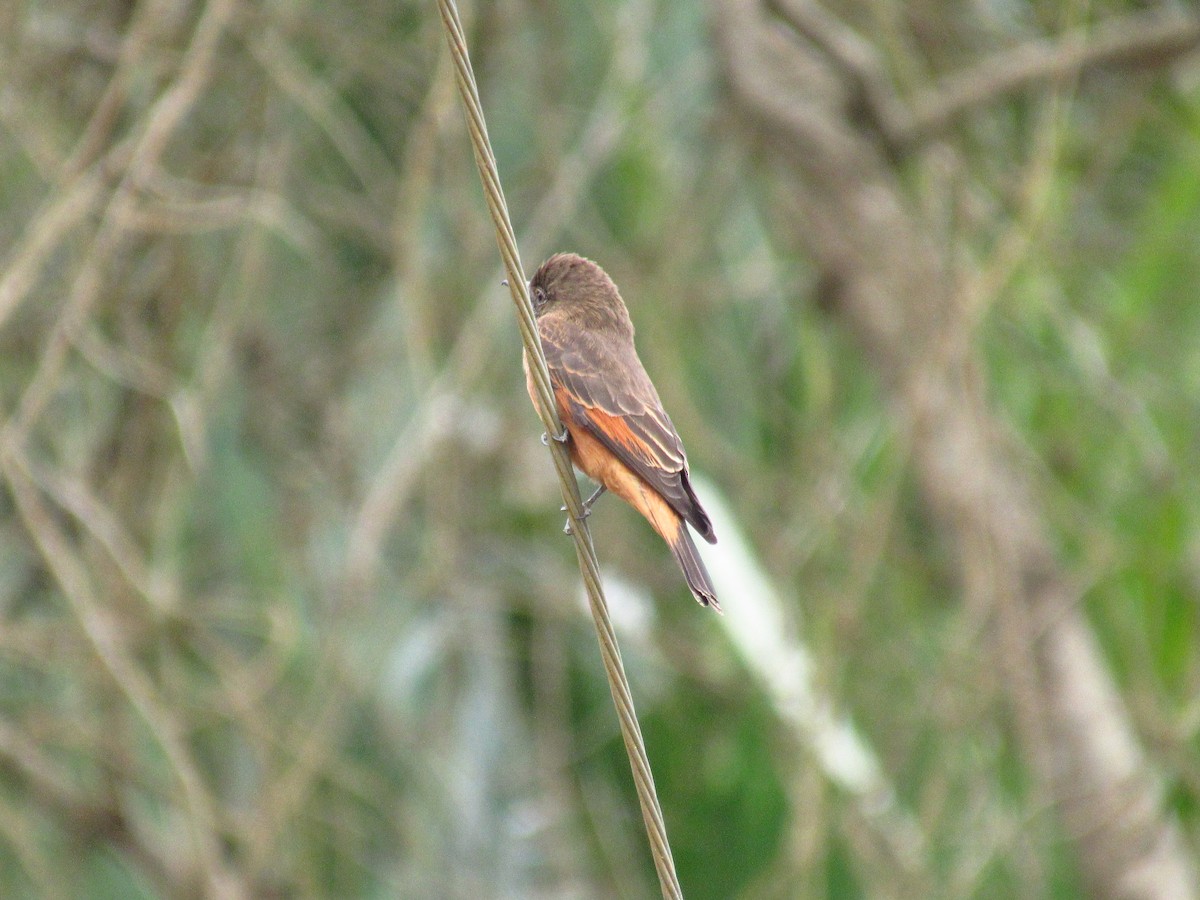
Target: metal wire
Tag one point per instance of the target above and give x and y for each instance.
(618, 684)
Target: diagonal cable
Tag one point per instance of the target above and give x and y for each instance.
(618, 684)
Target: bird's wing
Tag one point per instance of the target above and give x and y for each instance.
(602, 387)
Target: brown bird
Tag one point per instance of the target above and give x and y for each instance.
(617, 431)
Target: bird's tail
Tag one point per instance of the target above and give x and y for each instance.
(693, 568)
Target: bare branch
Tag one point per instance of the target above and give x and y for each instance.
(1142, 40)
(106, 639)
(854, 58)
(848, 209)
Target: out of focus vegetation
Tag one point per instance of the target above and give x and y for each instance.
(286, 606)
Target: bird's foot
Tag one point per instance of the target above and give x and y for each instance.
(557, 438)
(587, 508)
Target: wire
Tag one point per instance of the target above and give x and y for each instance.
(518, 287)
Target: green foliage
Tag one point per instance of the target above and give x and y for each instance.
(287, 445)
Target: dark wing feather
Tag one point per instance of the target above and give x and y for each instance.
(609, 393)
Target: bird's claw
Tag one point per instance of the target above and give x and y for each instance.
(587, 508)
(559, 438)
(587, 511)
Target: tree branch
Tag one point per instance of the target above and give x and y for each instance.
(1140, 40)
(1147, 40)
(844, 203)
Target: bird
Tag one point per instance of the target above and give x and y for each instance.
(616, 430)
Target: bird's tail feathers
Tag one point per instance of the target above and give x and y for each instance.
(693, 568)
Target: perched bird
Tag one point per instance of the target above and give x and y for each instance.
(616, 429)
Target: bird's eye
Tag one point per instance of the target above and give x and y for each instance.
(539, 297)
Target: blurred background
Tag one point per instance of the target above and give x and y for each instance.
(287, 610)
